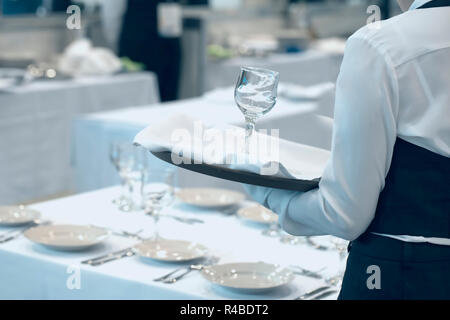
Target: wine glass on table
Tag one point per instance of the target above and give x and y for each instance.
(121, 160)
(130, 163)
(158, 192)
(255, 95)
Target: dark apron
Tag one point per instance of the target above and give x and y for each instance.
(415, 201)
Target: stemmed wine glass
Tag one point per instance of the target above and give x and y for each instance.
(255, 94)
(130, 161)
(121, 156)
(158, 192)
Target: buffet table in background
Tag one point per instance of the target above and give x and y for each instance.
(35, 128)
(302, 122)
(30, 271)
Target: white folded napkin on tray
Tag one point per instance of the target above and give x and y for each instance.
(193, 141)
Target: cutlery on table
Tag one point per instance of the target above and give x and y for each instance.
(274, 230)
(305, 272)
(312, 293)
(192, 267)
(181, 219)
(124, 254)
(323, 295)
(184, 219)
(106, 256)
(168, 278)
(123, 233)
(17, 233)
(126, 234)
(169, 274)
(316, 245)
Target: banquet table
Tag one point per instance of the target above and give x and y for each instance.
(35, 128)
(31, 271)
(305, 68)
(303, 122)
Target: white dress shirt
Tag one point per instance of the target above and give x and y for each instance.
(394, 82)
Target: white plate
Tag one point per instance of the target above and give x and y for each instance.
(170, 250)
(210, 197)
(248, 276)
(67, 237)
(17, 215)
(257, 213)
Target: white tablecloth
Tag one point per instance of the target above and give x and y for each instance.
(297, 121)
(35, 128)
(30, 271)
(305, 68)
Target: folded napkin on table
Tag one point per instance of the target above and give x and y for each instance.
(80, 58)
(223, 146)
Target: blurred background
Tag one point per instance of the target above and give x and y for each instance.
(212, 31)
(75, 75)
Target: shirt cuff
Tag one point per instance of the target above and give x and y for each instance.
(279, 202)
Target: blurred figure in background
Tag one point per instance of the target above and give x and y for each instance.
(13, 7)
(159, 51)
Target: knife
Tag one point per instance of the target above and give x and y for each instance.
(324, 295)
(125, 254)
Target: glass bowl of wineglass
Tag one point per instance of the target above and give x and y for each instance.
(255, 94)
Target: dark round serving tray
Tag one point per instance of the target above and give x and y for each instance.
(241, 176)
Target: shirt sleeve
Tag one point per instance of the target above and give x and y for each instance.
(364, 135)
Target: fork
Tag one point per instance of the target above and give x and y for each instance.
(168, 279)
(13, 235)
(191, 268)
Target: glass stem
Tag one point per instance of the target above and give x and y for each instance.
(155, 215)
(249, 129)
(123, 187)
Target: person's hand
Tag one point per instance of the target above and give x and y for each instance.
(257, 193)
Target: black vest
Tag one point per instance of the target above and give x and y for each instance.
(435, 4)
(416, 198)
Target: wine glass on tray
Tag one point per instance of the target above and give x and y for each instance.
(255, 95)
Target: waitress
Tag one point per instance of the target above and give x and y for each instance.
(387, 185)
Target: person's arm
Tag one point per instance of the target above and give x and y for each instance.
(364, 135)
